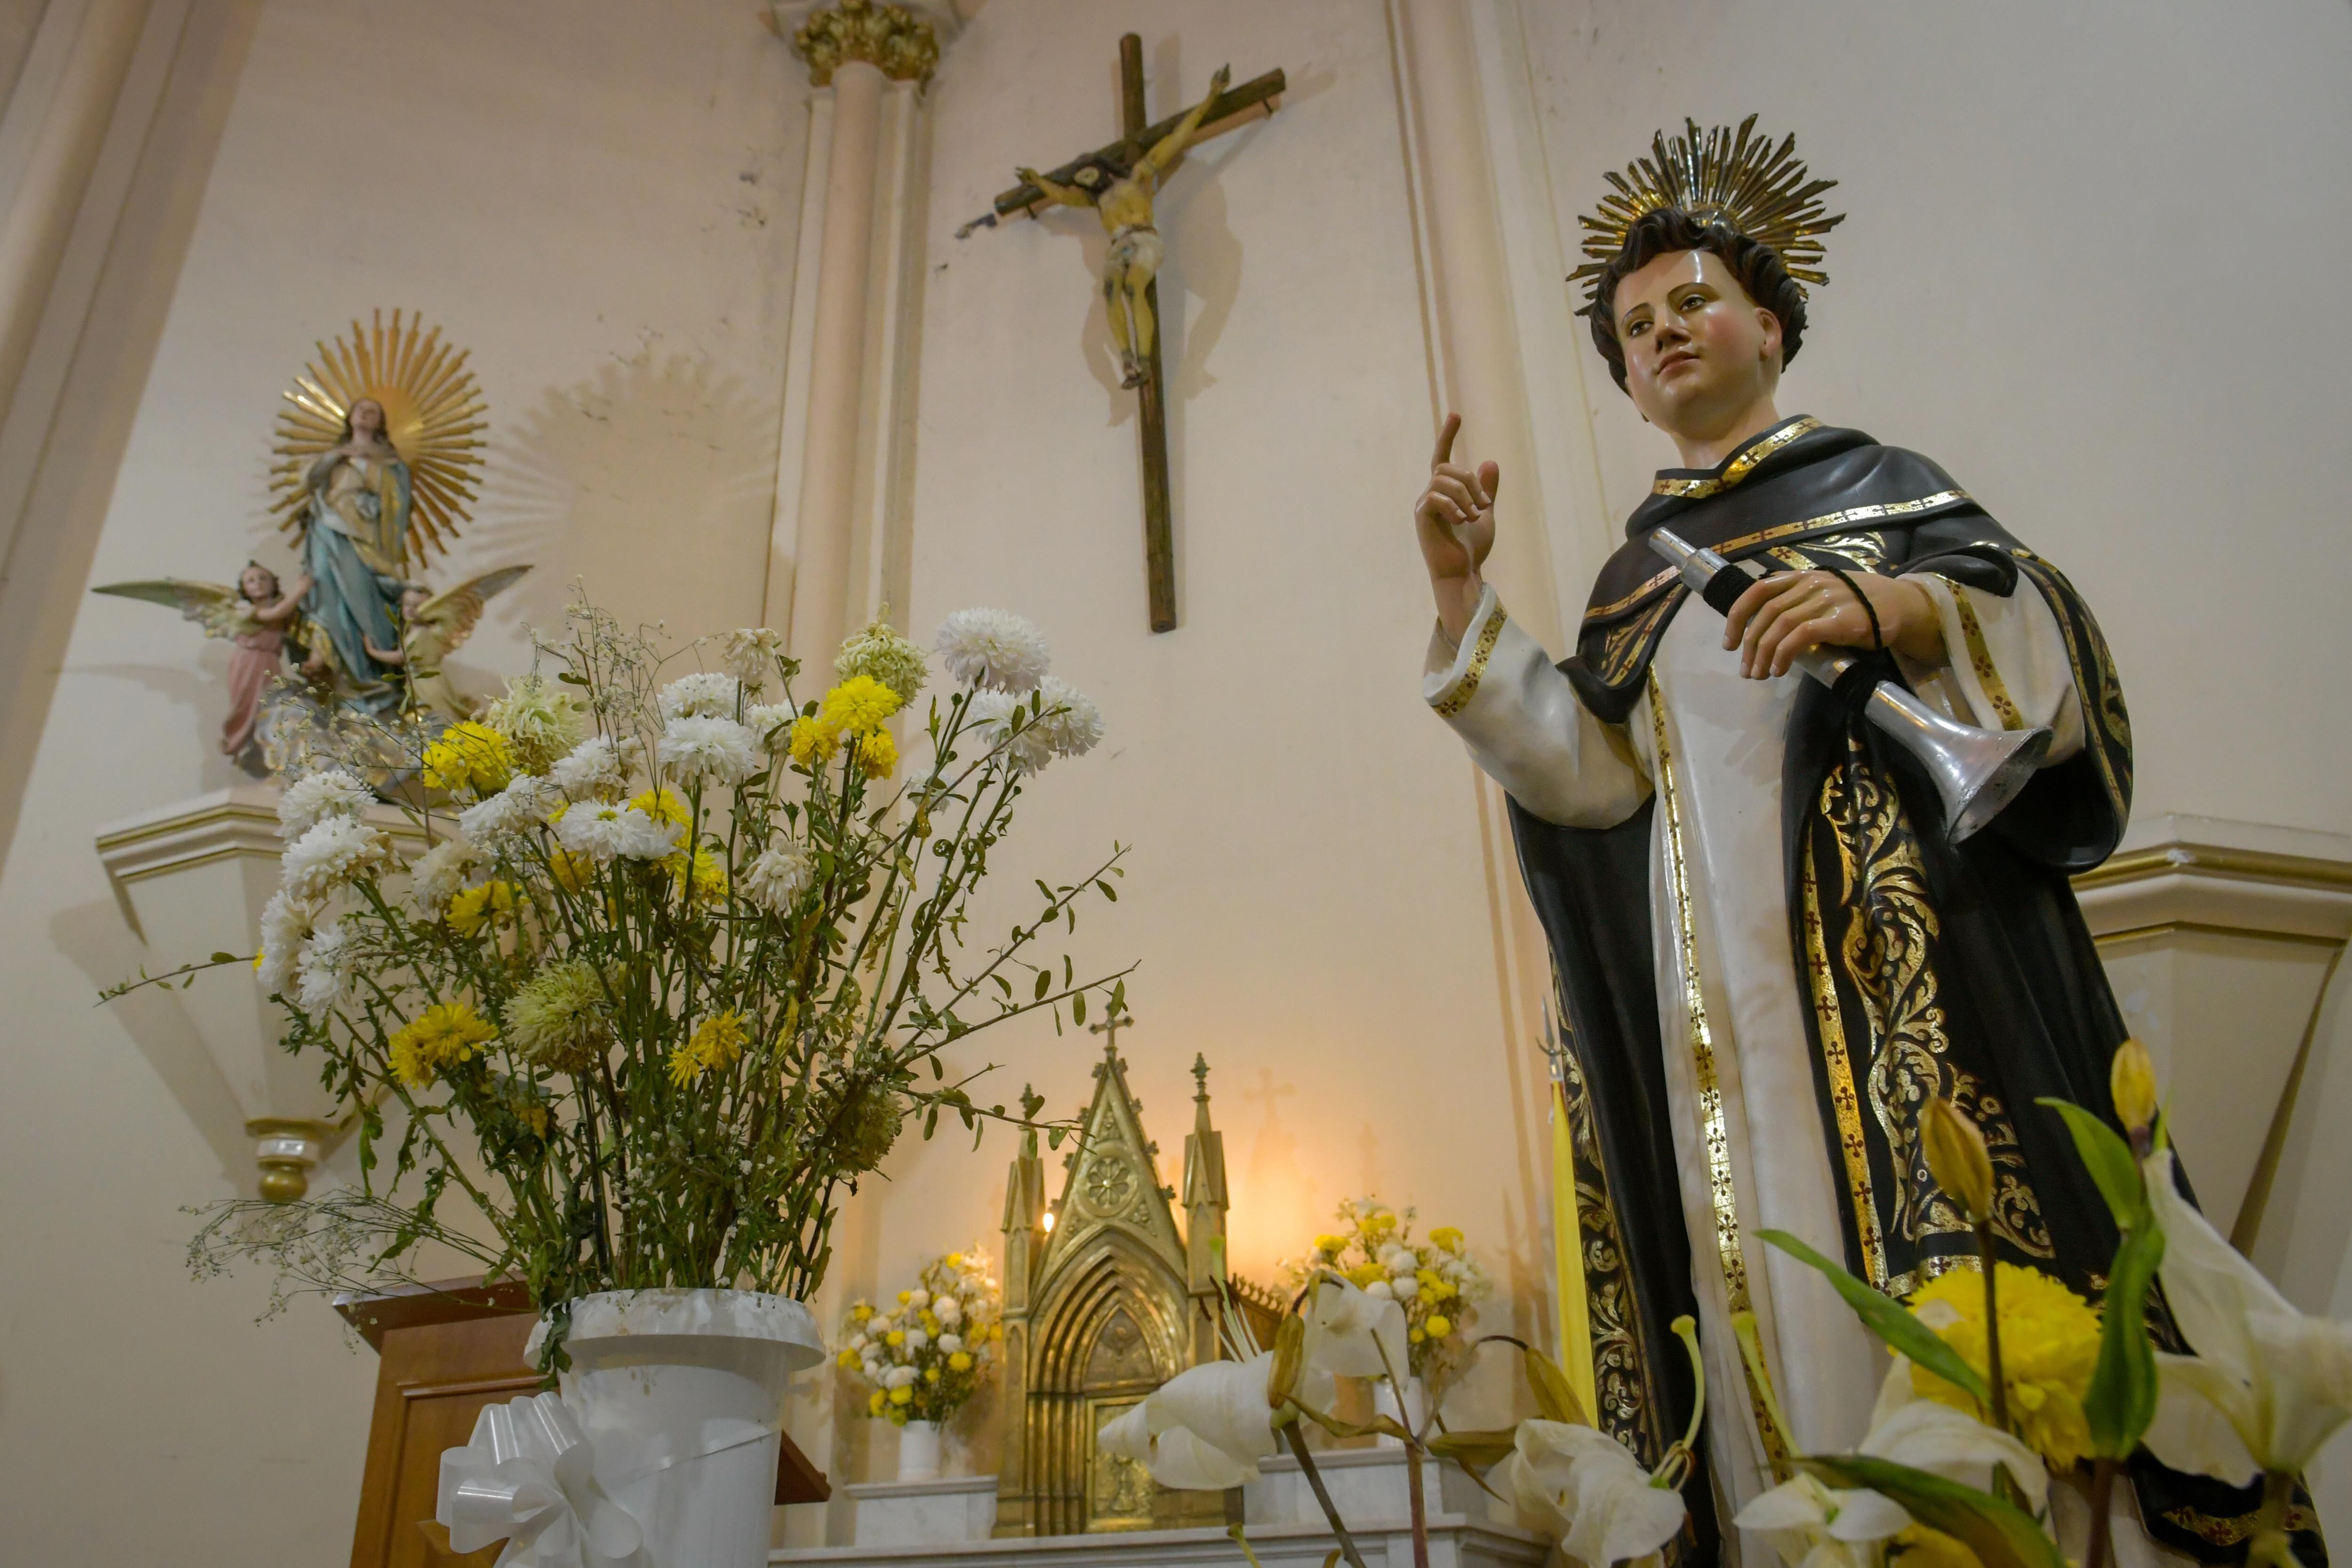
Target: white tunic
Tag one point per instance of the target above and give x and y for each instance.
(1748, 1139)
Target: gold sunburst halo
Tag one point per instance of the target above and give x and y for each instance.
(433, 413)
(1735, 178)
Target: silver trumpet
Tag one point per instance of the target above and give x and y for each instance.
(1976, 771)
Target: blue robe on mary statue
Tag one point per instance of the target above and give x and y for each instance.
(354, 543)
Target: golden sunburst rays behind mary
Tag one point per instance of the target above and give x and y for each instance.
(432, 413)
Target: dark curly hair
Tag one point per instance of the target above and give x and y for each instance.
(1662, 230)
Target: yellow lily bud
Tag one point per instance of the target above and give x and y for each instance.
(1289, 1359)
(1556, 1397)
(1957, 1157)
(2132, 1079)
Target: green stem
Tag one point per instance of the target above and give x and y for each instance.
(1993, 1374)
(1322, 1496)
(2103, 1486)
(2273, 1546)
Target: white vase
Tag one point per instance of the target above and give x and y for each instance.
(1412, 1414)
(919, 1451)
(681, 1393)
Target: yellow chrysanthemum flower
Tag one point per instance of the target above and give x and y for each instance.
(1331, 1245)
(875, 1401)
(2049, 1343)
(449, 1033)
(715, 1043)
(878, 754)
(571, 872)
(1923, 1548)
(905, 1296)
(815, 740)
(1416, 1336)
(931, 1324)
(1364, 1274)
(1438, 1326)
(894, 1337)
(955, 1259)
(468, 756)
(1446, 1238)
(861, 1311)
(471, 909)
(960, 1361)
(707, 881)
(903, 1394)
(845, 1360)
(931, 1374)
(858, 705)
(664, 806)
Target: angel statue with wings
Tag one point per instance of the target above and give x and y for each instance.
(377, 454)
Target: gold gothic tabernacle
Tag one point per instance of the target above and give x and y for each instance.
(1105, 1298)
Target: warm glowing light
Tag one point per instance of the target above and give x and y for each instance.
(1049, 1219)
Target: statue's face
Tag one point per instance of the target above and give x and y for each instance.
(413, 600)
(1699, 351)
(257, 583)
(367, 419)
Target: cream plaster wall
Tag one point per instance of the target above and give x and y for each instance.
(599, 201)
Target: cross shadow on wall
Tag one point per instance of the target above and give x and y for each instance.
(652, 481)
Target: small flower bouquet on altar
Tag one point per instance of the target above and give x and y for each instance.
(1437, 1281)
(924, 1357)
(679, 965)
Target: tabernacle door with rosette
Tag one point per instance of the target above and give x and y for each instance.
(1105, 1298)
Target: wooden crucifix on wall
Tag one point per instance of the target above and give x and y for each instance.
(1119, 182)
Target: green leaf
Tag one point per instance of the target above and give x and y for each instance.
(2001, 1536)
(1107, 891)
(224, 958)
(2107, 1156)
(1044, 983)
(1890, 1321)
(1078, 1008)
(2121, 1401)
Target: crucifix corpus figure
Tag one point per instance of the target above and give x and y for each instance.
(1123, 201)
(1120, 182)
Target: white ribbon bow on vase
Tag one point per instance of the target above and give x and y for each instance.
(528, 1477)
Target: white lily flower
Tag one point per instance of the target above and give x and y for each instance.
(2268, 1386)
(1588, 1491)
(1206, 1428)
(1812, 1525)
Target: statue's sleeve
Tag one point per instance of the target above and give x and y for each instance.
(2006, 666)
(1525, 726)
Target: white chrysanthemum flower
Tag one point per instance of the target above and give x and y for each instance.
(602, 832)
(286, 922)
(314, 797)
(720, 749)
(918, 1298)
(951, 1343)
(772, 723)
(704, 694)
(948, 1310)
(994, 648)
(1404, 1287)
(436, 876)
(856, 1343)
(330, 853)
(1070, 723)
(902, 1376)
(917, 1338)
(599, 765)
(510, 813)
(1380, 1287)
(778, 878)
(750, 654)
(1001, 722)
(326, 969)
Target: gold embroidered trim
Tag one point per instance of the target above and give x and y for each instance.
(2105, 713)
(1996, 691)
(1740, 466)
(1621, 1365)
(2229, 1531)
(1852, 1142)
(1852, 514)
(1722, 1193)
(1471, 677)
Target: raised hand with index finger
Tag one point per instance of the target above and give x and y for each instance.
(1455, 520)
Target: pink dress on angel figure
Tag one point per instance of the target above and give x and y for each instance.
(261, 649)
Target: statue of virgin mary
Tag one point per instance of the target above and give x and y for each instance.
(355, 548)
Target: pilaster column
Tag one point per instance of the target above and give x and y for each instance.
(33, 238)
(854, 50)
